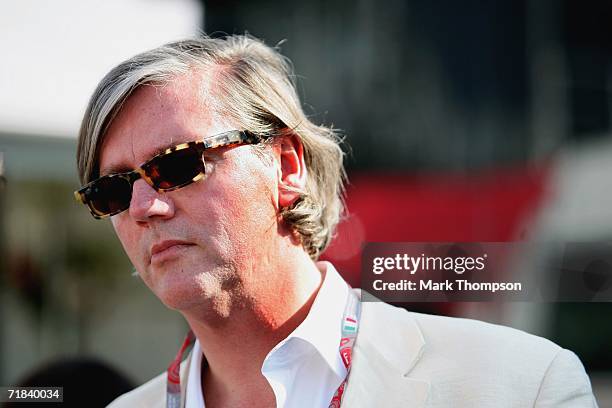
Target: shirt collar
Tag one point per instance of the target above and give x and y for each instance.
(193, 397)
(322, 327)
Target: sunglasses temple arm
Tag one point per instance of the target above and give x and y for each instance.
(78, 197)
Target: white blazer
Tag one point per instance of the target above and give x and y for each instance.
(411, 360)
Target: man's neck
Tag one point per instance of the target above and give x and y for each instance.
(236, 344)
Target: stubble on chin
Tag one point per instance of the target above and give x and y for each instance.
(213, 297)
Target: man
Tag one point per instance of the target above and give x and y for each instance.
(223, 194)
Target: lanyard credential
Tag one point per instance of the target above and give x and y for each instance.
(350, 326)
(173, 382)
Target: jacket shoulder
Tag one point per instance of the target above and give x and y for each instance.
(475, 361)
(467, 337)
(150, 394)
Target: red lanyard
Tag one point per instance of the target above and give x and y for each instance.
(173, 382)
(350, 325)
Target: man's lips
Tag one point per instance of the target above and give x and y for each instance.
(165, 250)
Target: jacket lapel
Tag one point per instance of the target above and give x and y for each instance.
(388, 346)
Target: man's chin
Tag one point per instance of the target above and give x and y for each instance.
(185, 293)
(179, 299)
(186, 287)
(174, 291)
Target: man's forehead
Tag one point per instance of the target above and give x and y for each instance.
(183, 94)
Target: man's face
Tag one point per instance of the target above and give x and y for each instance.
(201, 241)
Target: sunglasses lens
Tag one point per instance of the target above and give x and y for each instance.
(175, 169)
(110, 195)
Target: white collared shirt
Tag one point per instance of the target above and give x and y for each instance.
(305, 369)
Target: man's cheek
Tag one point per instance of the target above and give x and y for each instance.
(130, 243)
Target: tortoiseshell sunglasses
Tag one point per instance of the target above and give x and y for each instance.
(176, 167)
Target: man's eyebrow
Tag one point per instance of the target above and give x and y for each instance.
(120, 168)
(114, 170)
(162, 149)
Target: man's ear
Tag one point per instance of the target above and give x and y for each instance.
(292, 171)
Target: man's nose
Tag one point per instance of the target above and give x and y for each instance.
(147, 203)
